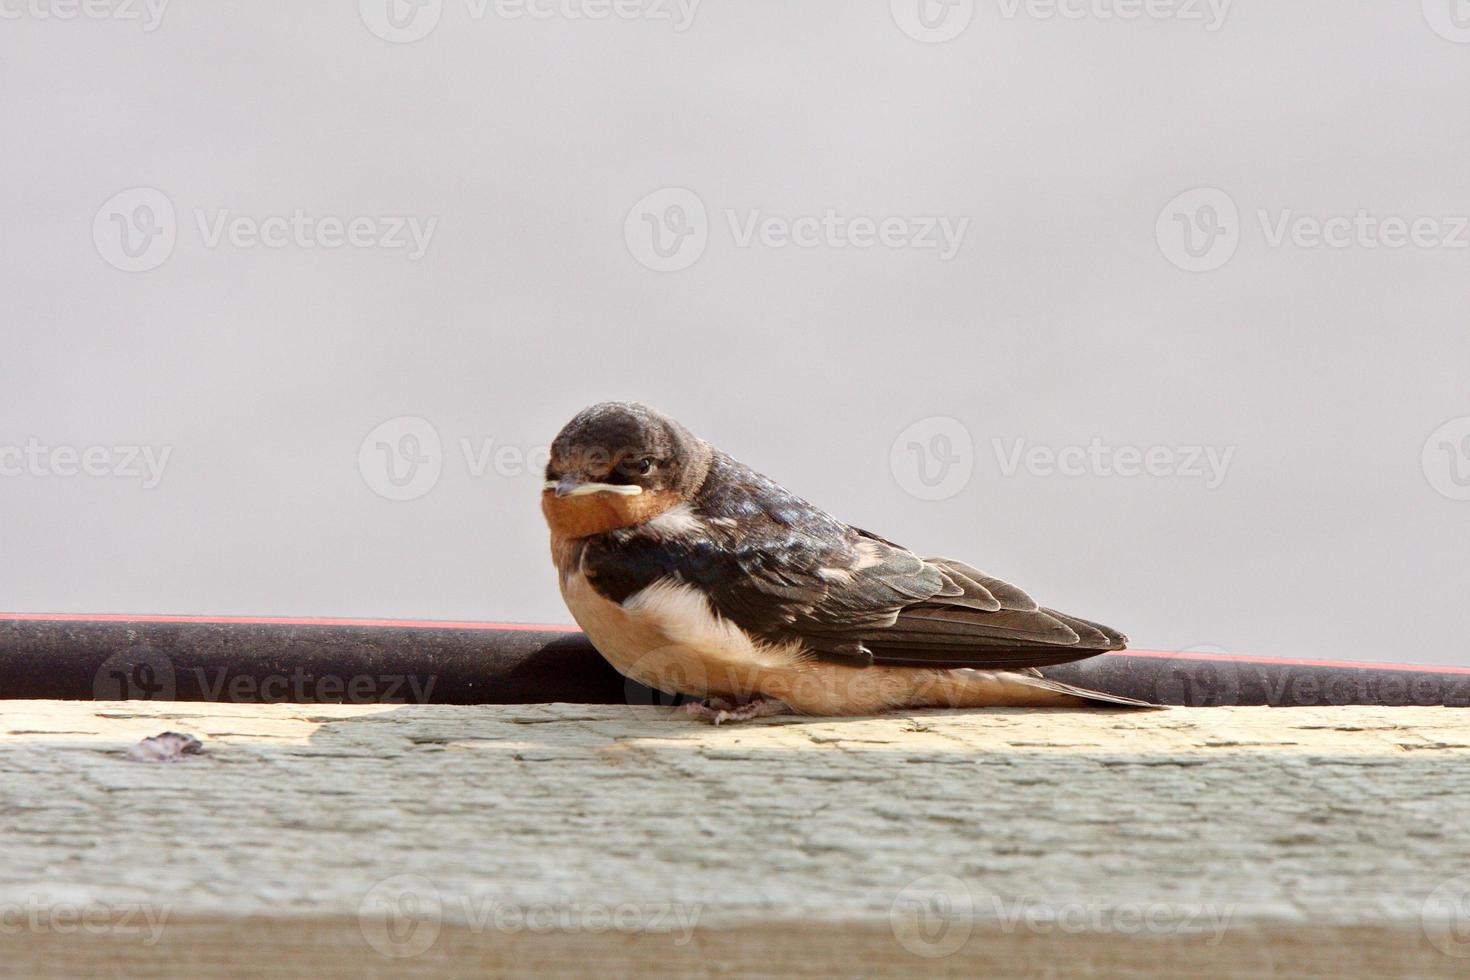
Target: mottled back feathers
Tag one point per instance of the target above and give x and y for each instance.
(782, 569)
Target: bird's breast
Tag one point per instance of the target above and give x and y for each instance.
(667, 637)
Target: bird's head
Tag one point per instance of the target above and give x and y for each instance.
(617, 464)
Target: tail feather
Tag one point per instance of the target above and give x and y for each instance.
(1034, 679)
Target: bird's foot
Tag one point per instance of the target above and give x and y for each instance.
(717, 711)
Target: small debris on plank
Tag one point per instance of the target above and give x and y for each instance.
(164, 747)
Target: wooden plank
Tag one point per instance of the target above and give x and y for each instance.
(319, 840)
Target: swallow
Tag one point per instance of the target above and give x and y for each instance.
(695, 575)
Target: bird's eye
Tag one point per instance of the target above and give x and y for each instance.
(643, 466)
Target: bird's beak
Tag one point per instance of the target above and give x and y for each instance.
(569, 486)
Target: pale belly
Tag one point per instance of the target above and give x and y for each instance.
(667, 637)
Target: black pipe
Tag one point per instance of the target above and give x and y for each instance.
(284, 661)
(1201, 681)
(253, 661)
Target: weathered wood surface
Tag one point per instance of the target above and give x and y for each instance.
(314, 841)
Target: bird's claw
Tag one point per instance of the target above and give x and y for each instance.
(717, 711)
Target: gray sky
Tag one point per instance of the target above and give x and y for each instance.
(1162, 318)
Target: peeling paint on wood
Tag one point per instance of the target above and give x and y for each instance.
(321, 840)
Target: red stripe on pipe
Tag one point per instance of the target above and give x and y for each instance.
(1290, 662)
(416, 624)
(429, 624)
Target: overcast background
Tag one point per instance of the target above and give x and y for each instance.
(891, 382)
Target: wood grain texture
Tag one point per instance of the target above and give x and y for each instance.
(312, 840)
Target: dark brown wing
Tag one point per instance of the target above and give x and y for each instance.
(783, 569)
(971, 620)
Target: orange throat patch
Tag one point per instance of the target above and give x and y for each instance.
(598, 513)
